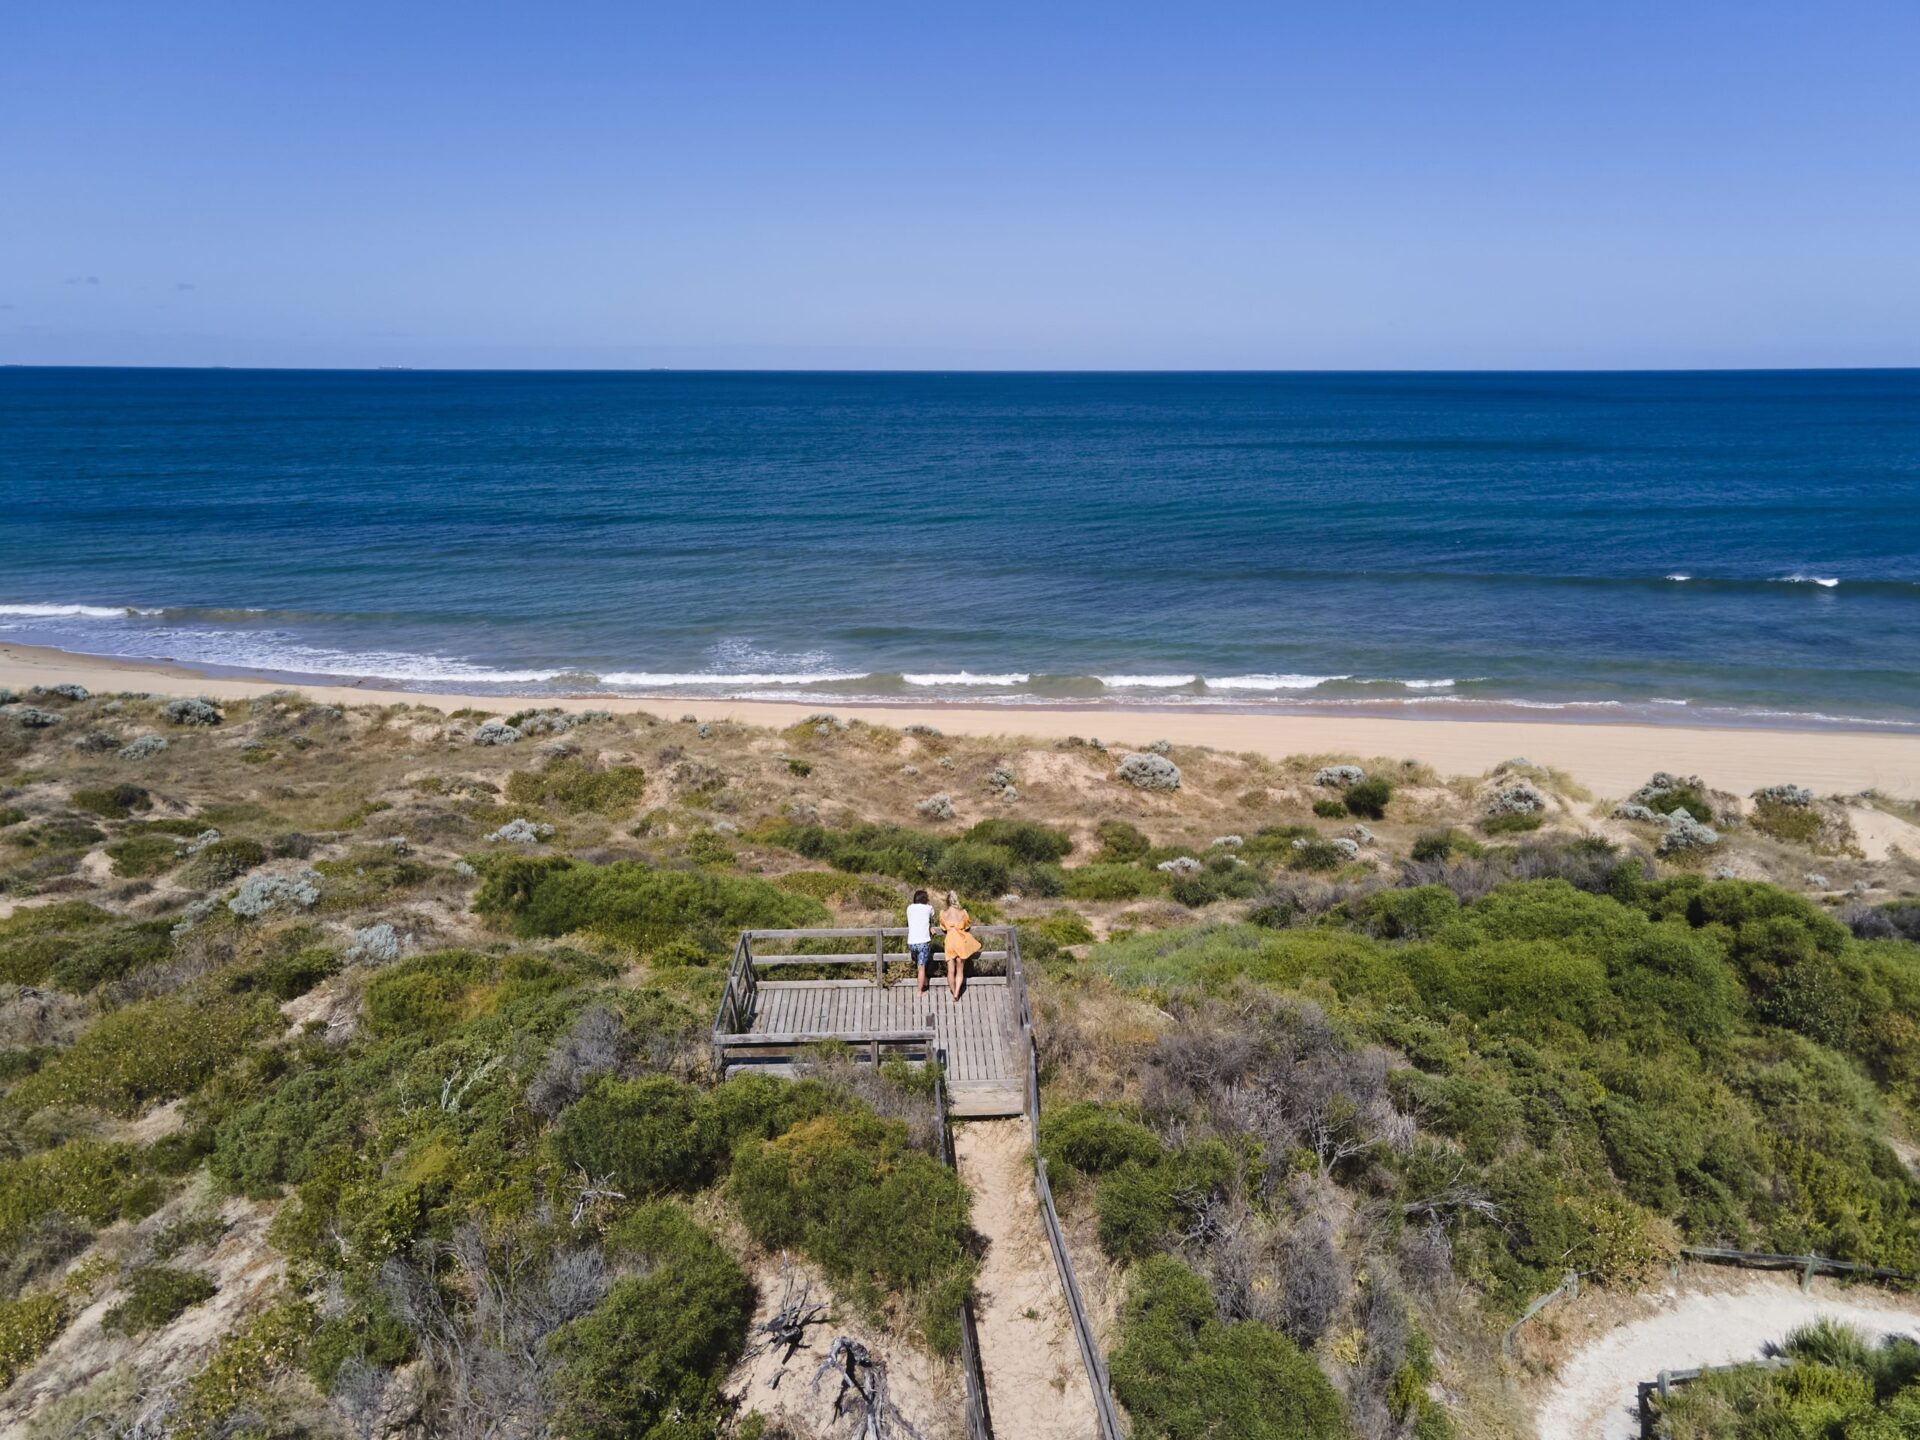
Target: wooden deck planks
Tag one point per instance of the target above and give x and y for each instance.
(972, 1033)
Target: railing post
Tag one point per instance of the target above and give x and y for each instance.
(880, 958)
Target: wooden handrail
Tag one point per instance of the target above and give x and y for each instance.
(753, 1039)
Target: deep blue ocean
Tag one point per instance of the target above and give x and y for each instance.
(1740, 546)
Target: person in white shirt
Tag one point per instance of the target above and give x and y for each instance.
(920, 935)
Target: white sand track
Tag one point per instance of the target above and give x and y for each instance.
(1037, 1386)
(1594, 1396)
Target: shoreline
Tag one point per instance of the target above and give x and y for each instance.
(1611, 758)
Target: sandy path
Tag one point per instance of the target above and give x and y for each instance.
(1595, 1394)
(1611, 760)
(1036, 1384)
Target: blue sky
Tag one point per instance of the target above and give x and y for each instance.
(905, 185)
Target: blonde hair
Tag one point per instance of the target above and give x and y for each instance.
(953, 898)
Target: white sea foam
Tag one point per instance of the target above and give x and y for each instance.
(1145, 682)
(967, 677)
(1427, 684)
(671, 680)
(1679, 577)
(74, 612)
(1272, 682)
(1825, 582)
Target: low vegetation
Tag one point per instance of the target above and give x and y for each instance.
(1343, 1065)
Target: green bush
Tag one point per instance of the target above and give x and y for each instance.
(1511, 824)
(1794, 824)
(1026, 841)
(366, 877)
(224, 861)
(152, 1051)
(647, 1134)
(288, 1135)
(431, 994)
(83, 1179)
(648, 1361)
(138, 856)
(1111, 881)
(845, 1190)
(1369, 798)
(34, 938)
(637, 905)
(368, 1332)
(111, 954)
(156, 1295)
(1436, 845)
(289, 976)
(976, 870)
(574, 785)
(1120, 843)
(113, 802)
(1315, 854)
(1091, 1139)
(1142, 1206)
(1184, 1376)
(27, 1327)
(1330, 809)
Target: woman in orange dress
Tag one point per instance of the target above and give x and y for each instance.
(961, 946)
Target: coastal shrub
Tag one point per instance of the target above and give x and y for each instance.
(137, 856)
(936, 807)
(156, 1295)
(144, 1053)
(222, 861)
(32, 717)
(1317, 854)
(1684, 833)
(67, 690)
(36, 937)
(377, 944)
(650, 1358)
(432, 993)
(1368, 799)
(27, 1327)
(368, 875)
(1329, 809)
(495, 732)
(111, 954)
(192, 711)
(113, 802)
(1517, 799)
(143, 747)
(521, 831)
(84, 1179)
(1338, 777)
(1148, 772)
(1183, 1375)
(1028, 842)
(580, 788)
(648, 1134)
(1511, 824)
(1109, 882)
(1143, 1207)
(1085, 1138)
(1665, 794)
(1120, 841)
(980, 870)
(846, 1190)
(637, 905)
(261, 895)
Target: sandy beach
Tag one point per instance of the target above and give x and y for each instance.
(1610, 760)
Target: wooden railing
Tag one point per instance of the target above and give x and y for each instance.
(973, 1377)
(1105, 1411)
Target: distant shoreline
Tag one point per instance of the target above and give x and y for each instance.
(1610, 757)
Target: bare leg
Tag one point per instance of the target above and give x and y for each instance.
(956, 976)
(923, 981)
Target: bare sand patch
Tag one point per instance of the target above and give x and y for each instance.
(1717, 1320)
(1037, 1386)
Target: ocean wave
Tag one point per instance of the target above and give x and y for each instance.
(1272, 682)
(1146, 682)
(74, 612)
(1678, 578)
(966, 677)
(1424, 684)
(669, 680)
(1825, 582)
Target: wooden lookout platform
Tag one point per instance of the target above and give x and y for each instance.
(790, 990)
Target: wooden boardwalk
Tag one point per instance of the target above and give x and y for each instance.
(766, 1024)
